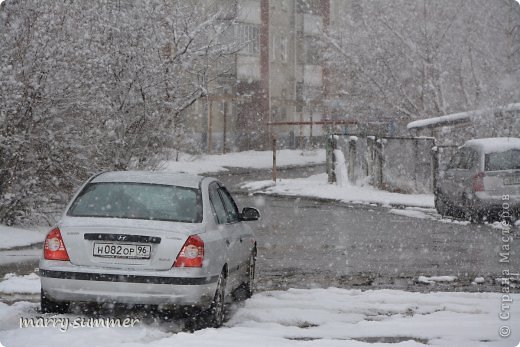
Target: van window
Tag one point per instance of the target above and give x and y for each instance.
(508, 160)
(455, 160)
(464, 159)
(472, 159)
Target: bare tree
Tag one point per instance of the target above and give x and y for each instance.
(417, 59)
(98, 85)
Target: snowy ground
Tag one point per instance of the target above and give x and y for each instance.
(13, 284)
(248, 159)
(15, 237)
(300, 317)
(12, 239)
(314, 317)
(317, 186)
(426, 213)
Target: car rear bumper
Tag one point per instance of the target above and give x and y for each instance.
(125, 288)
(496, 203)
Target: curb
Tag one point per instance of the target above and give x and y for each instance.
(232, 170)
(324, 200)
(19, 248)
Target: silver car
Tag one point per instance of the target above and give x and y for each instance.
(149, 238)
(482, 180)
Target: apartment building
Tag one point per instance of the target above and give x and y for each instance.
(277, 76)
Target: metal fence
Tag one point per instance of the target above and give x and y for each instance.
(397, 164)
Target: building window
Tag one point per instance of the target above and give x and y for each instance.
(313, 51)
(308, 6)
(278, 114)
(283, 5)
(357, 11)
(248, 37)
(299, 96)
(279, 48)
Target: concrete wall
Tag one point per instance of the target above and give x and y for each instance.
(397, 164)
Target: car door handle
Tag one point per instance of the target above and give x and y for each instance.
(227, 242)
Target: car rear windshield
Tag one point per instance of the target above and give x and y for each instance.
(508, 160)
(138, 201)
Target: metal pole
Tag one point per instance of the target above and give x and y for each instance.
(310, 137)
(270, 116)
(210, 125)
(274, 159)
(331, 158)
(415, 161)
(295, 67)
(225, 126)
(435, 166)
(379, 146)
(301, 131)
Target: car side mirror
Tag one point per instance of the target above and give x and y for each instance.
(249, 214)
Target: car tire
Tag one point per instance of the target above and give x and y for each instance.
(215, 314)
(474, 217)
(50, 306)
(440, 206)
(250, 284)
(469, 213)
(444, 208)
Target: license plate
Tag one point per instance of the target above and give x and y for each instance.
(511, 180)
(117, 250)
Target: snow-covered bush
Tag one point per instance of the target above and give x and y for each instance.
(91, 86)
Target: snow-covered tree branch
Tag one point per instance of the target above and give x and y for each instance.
(89, 86)
(417, 59)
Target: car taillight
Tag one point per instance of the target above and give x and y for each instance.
(191, 254)
(478, 182)
(54, 248)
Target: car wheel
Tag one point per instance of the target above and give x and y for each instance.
(515, 217)
(50, 306)
(250, 284)
(470, 213)
(214, 316)
(444, 208)
(473, 217)
(441, 206)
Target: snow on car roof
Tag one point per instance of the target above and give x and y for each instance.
(152, 177)
(494, 144)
